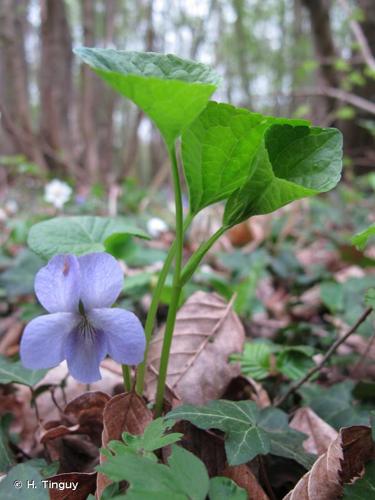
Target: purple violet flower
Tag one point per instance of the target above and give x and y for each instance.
(81, 326)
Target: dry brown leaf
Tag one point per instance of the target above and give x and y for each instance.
(74, 440)
(124, 412)
(320, 433)
(343, 461)
(244, 478)
(207, 331)
(86, 485)
(82, 415)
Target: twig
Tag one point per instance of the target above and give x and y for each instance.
(294, 387)
(354, 100)
(360, 36)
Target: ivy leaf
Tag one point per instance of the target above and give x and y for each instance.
(217, 150)
(361, 239)
(222, 488)
(335, 404)
(249, 430)
(291, 163)
(24, 475)
(363, 487)
(184, 477)
(172, 91)
(16, 373)
(78, 235)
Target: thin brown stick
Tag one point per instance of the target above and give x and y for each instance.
(360, 37)
(293, 388)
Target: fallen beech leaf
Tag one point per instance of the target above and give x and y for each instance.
(124, 412)
(86, 485)
(243, 477)
(343, 461)
(320, 433)
(207, 331)
(82, 415)
(75, 439)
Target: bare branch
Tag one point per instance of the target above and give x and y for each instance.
(360, 37)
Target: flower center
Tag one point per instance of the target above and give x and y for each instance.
(85, 327)
(87, 330)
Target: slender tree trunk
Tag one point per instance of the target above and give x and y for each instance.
(319, 12)
(104, 119)
(18, 136)
(56, 84)
(241, 50)
(88, 101)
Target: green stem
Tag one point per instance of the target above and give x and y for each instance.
(196, 258)
(151, 315)
(127, 378)
(176, 288)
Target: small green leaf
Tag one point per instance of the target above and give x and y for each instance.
(184, 477)
(222, 488)
(16, 373)
(295, 361)
(77, 235)
(172, 91)
(370, 297)
(256, 359)
(361, 239)
(291, 163)
(153, 438)
(249, 431)
(363, 487)
(24, 483)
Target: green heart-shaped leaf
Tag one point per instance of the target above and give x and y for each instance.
(218, 148)
(172, 91)
(291, 163)
(78, 235)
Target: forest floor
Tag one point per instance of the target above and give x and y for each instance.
(295, 285)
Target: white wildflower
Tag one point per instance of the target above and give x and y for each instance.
(156, 227)
(11, 207)
(57, 193)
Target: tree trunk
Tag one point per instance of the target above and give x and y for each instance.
(242, 50)
(319, 13)
(14, 99)
(88, 101)
(56, 84)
